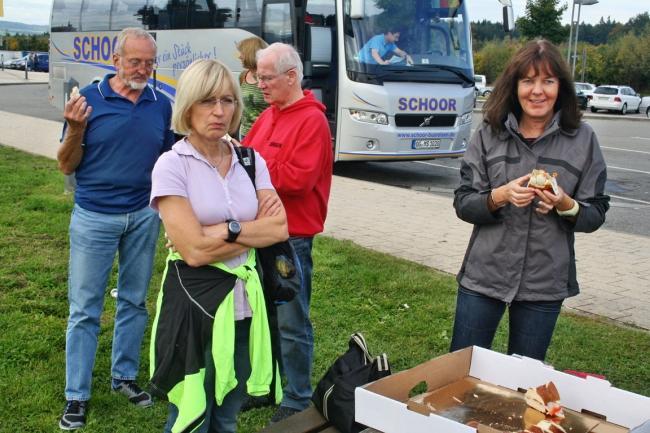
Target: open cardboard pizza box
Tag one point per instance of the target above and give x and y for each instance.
(477, 390)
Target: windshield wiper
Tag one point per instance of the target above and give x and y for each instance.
(388, 70)
(456, 71)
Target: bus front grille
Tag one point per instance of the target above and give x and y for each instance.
(425, 120)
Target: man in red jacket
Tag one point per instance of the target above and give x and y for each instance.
(293, 136)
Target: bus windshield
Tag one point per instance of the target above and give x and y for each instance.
(434, 33)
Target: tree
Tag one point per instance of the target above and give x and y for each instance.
(543, 20)
(493, 57)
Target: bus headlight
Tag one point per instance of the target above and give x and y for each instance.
(465, 119)
(369, 117)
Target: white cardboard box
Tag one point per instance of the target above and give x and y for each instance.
(382, 404)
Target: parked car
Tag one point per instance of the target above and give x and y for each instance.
(480, 86)
(645, 105)
(19, 63)
(586, 88)
(42, 63)
(582, 100)
(615, 98)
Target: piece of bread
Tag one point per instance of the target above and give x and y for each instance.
(74, 93)
(545, 399)
(540, 179)
(545, 426)
(548, 426)
(532, 417)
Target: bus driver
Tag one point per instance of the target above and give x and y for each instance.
(380, 48)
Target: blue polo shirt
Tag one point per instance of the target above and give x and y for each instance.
(122, 142)
(378, 43)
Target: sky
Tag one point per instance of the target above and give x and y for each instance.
(38, 11)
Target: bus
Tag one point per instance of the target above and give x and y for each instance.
(400, 111)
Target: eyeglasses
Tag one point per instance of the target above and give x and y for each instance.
(136, 63)
(268, 78)
(226, 103)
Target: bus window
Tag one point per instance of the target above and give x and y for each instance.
(127, 13)
(277, 23)
(166, 15)
(212, 14)
(65, 15)
(95, 15)
(249, 15)
(321, 13)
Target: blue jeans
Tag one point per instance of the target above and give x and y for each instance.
(223, 419)
(94, 240)
(296, 334)
(530, 329)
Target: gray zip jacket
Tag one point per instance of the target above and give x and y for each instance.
(517, 253)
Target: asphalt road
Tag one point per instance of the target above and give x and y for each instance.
(625, 143)
(29, 100)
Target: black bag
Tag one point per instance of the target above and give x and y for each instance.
(280, 279)
(334, 394)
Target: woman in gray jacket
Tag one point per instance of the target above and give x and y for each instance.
(521, 253)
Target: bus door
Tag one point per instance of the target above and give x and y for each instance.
(319, 54)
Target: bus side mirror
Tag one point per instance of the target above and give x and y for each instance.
(357, 11)
(508, 19)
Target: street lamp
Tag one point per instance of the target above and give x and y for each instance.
(573, 44)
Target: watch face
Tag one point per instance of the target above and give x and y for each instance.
(234, 227)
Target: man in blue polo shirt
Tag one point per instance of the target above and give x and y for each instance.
(115, 131)
(377, 50)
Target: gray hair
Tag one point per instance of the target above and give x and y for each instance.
(135, 33)
(286, 58)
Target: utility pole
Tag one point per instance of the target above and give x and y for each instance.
(584, 63)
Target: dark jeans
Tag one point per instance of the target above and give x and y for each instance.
(531, 323)
(296, 334)
(223, 419)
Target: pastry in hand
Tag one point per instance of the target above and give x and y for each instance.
(540, 179)
(74, 93)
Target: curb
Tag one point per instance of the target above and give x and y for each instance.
(22, 83)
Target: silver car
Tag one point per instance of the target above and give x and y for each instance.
(622, 99)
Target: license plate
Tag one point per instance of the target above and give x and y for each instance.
(603, 98)
(426, 143)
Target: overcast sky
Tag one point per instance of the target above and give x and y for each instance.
(38, 11)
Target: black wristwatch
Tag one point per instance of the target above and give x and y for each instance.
(234, 228)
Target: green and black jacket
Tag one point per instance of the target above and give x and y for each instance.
(196, 306)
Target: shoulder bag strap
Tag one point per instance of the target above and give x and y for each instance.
(246, 157)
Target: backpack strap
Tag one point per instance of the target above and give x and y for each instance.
(358, 339)
(246, 157)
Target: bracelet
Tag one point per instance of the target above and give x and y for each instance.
(571, 212)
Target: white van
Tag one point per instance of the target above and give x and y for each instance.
(480, 81)
(480, 84)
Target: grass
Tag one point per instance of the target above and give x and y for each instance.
(402, 308)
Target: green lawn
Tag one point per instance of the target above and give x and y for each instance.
(403, 309)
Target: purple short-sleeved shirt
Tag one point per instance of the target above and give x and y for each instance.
(184, 172)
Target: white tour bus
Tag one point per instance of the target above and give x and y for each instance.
(391, 112)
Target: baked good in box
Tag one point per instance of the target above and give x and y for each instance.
(545, 399)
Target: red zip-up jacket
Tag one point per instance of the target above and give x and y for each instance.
(297, 146)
